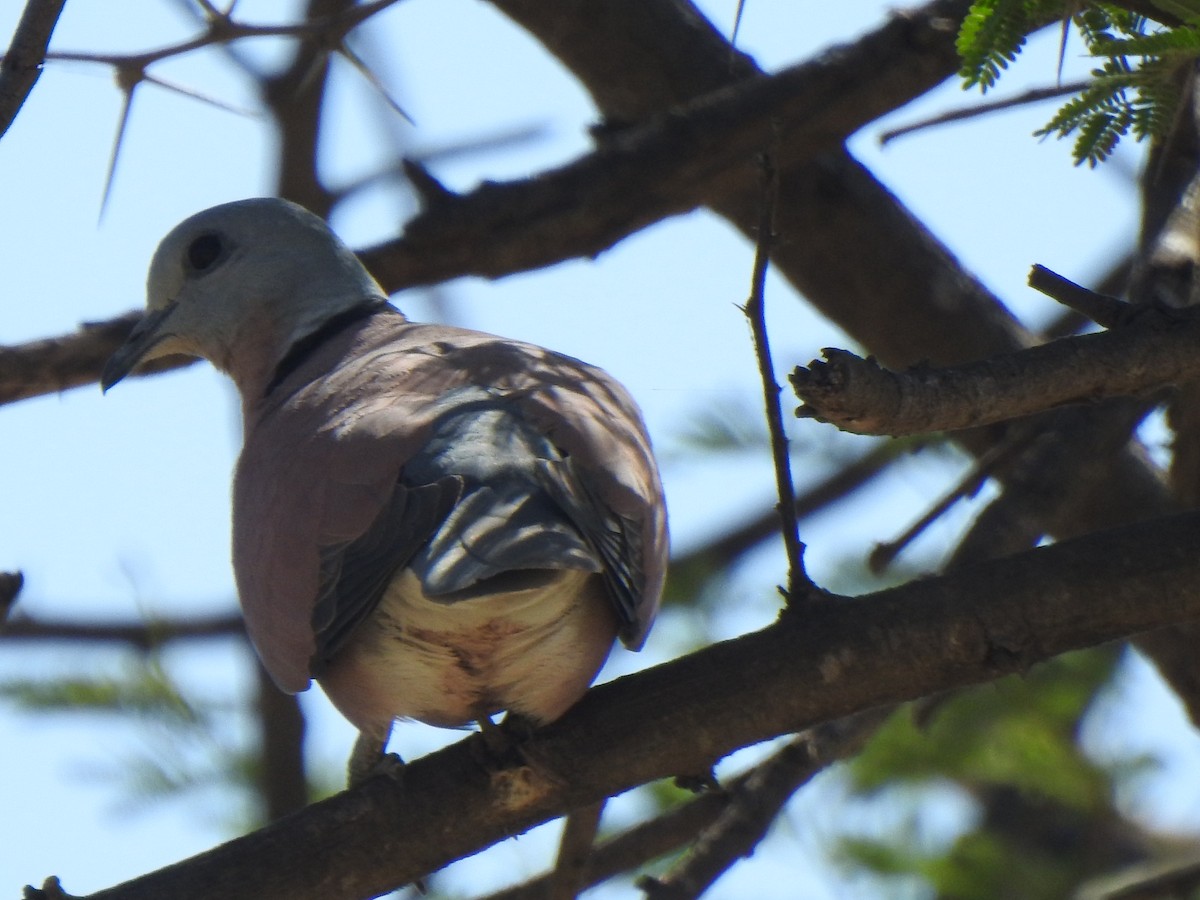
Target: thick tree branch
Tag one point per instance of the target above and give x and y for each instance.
(1156, 349)
(21, 65)
(636, 177)
(675, 162)
(835, 659)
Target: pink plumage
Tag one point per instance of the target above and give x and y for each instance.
(433, 522)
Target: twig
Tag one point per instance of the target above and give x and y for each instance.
(1107, 312)
(203, 16)
(22, 64)
(1148, 881)
(983, 468)
(727, 548)
(224, 29)
(633, 848)
(396, 171)
(756, 801)
(1034, 95)
(323, 33)
(574, 850)
(10, 586)
(797, 579)
(142, 635)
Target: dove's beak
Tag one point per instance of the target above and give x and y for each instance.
(146, 335)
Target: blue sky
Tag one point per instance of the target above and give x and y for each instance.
(118, 505)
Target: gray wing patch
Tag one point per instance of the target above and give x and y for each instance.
(495, 531)
(354, 576)
(615, 539)
(506, 532)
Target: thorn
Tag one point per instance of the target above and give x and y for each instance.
(431, 191)
(128, 78)
(203, 98)
(363, 69)
(210, 11)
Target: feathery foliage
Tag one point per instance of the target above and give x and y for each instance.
(1135, 88)
(993, 33)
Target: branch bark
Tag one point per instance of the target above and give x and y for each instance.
(757, 799)
(56, 364)
(837, 658)
(10, 585)
(1156, 348)
(22, 63)
(141, 635)
(907, 299)
(672, 162)
(636, 177)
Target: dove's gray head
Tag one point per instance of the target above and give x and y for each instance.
(239, 284)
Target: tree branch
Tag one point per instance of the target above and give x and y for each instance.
(757, 798)
(55, 364)
(795, 763)
(142, 635)
(1105, 311)
(1156, 348)
(566, 881)
(326, 21)
(636, 177)
(10, 585)
(838, 658)
(21, 66)
(631, 849)
(727, 548)
(295, 96)
(674, 162)
(281, 777)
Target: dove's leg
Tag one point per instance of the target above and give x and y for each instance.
(369, 758)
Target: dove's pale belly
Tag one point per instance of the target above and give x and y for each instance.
(533, 651)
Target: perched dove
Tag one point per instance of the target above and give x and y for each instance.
(434, 523)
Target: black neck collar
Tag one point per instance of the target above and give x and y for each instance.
(307, 345)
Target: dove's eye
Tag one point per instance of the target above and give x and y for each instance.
(203, 252)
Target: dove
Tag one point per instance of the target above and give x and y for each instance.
(432, 523)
